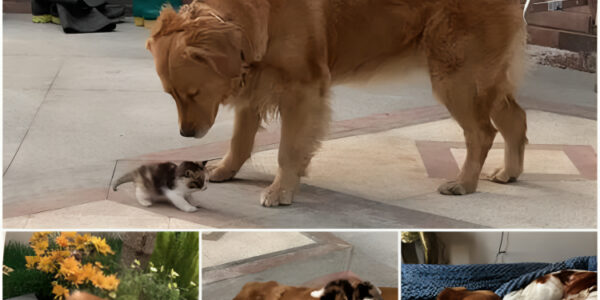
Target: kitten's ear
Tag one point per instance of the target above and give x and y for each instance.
(204, 163)
(188, 173)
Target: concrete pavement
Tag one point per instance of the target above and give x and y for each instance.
(80, 110)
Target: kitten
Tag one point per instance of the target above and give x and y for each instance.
(167, 182)
(344, 290)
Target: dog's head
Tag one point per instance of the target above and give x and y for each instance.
(461, 293)
(198, 58)
(344, 290)
(260, 291)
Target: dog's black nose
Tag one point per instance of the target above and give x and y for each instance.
(187, 132)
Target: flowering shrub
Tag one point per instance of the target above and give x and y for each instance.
(153, 283)
(72, 260)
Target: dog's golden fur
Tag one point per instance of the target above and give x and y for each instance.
(461, 293)
(267, 57)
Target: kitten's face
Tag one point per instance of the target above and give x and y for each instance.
(193, 174)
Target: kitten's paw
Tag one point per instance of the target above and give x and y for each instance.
(274, 196)
(220, 173)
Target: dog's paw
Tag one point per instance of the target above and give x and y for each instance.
(274, 196)
(220, 173)
(453, 188)
(500, 175)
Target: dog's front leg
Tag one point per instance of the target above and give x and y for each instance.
(304, 119)
(245, 127)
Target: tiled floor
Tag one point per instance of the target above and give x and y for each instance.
(81, 109)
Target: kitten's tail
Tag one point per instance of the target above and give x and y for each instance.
(128, 177)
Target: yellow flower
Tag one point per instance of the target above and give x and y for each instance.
(68, 267)
(36, 236)
(101, 246)
(59, 255)
(81, 241)
(46, 264)
(98, 279)
(89, 271)
(69, 234)
(111, 283)
(40, 246)
(60, 292)
(31, 261)
(62, 241)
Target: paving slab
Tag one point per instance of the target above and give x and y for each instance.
(98, 215)
(19, 109)
(26, 72)
(237, 246)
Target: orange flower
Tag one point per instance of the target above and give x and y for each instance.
(40, 246)
(31, 261)
(89, 271)
(101, 246)
(60, 292)
(69, 234)
(62, 241)
(46, 264)
(111, 283)
(69, 266)
(81, 241)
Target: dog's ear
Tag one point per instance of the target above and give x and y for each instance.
(256, 28)
(224, 65)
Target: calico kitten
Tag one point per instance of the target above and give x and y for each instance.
(167, 182)
(344, 290)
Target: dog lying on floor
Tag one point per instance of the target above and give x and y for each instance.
(561, 285)
(266, 58)
(335, 290)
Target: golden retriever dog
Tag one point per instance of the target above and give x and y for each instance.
(269, 58)
(461, 293)
(335, 290)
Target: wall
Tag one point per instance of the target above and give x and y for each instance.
(481, 247)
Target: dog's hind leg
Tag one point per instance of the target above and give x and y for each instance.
(458, 92)
(246, 125)
(510, 120)
(305, 115)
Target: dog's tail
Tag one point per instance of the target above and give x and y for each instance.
(128, 177)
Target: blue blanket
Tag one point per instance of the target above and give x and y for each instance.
(425, 282)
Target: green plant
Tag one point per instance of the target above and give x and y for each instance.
(157, 283)
(22, 281)
(179, 251)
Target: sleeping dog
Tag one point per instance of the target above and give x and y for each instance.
(335, 290)
(561, 285)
